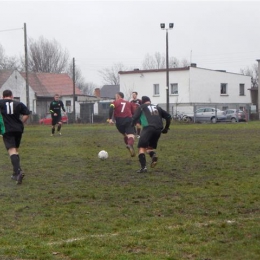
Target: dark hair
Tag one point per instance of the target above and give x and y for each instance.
(135, 92)
(7, 93)
(120, 94)
(145, 99)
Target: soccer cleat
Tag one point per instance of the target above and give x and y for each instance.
(19, 177)
(138, 136)
(14, 177)
(131, 150)
(154, 161)
(142, 170)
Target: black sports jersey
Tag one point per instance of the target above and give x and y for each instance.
(56, 106)
(151, 115)
(10, 115)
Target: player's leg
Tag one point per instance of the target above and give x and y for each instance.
(130, 133)
(151, 149)
(12, 143)
(59, 127)
(138, 129)
(142, 145)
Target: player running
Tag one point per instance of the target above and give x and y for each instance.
(11, 128)
(151, 120)
(55, 109)
(122, 110)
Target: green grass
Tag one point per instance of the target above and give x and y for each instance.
(202, 201)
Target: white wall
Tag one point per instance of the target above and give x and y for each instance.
(205, 86)
(17, 85)
(195, 85)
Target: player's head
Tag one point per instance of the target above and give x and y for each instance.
(56, 97)
(134, 94)
(145, 99)
(7, 94)
(119, 95)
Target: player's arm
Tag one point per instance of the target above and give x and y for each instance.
(167, 118)
(62, 106)
(51, 109)
(110, 113)
(136, 115)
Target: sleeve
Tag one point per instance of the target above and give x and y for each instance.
(24, 110)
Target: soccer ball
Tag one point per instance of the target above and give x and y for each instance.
(103, 155)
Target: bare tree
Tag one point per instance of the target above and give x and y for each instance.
(153, 62)
(158, 61)
(7, 63)
(110, 76)
(253, 73)
(86, 87)
(46, 56)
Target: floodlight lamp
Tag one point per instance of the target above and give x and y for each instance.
(171, 25)
(162, 25)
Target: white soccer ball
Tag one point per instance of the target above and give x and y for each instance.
(103, 155)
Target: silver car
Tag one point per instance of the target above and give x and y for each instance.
(207, 114)
(235, 115)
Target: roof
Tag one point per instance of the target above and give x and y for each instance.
(109, 91)
(4, 75)
(49, 84)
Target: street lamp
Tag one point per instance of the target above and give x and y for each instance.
(167, 63)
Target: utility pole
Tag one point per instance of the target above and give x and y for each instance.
(74, 98)
(26, 68)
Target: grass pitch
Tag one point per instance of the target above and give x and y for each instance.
(201, 202)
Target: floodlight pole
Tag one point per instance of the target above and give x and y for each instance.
(26, 68)
(167, 65)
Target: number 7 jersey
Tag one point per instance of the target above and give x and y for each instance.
(10, 115)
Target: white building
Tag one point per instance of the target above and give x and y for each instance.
(189, 87)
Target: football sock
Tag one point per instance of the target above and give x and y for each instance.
(130, 141)
(59, 127)
(15, 162)
(138, 131)
(142, 160)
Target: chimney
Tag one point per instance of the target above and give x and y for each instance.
(97, 92)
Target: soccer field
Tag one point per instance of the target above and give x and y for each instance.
(202, 201)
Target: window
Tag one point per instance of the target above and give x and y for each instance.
(174, 89)
(223, 88)
(156, 90)
(241, 89)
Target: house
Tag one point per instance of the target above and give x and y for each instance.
(189, 87)
(107, 95)
(42, 88)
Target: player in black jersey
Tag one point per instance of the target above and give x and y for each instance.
(151, 120)
(55, 109)
(12, 128)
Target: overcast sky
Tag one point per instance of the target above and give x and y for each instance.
(98, 34)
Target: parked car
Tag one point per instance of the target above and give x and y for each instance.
(235, 115)
(47, 119)
(207, 114)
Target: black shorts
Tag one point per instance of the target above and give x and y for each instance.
(56, 120)
(12, 140)
(123, 125)
(149, 137)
